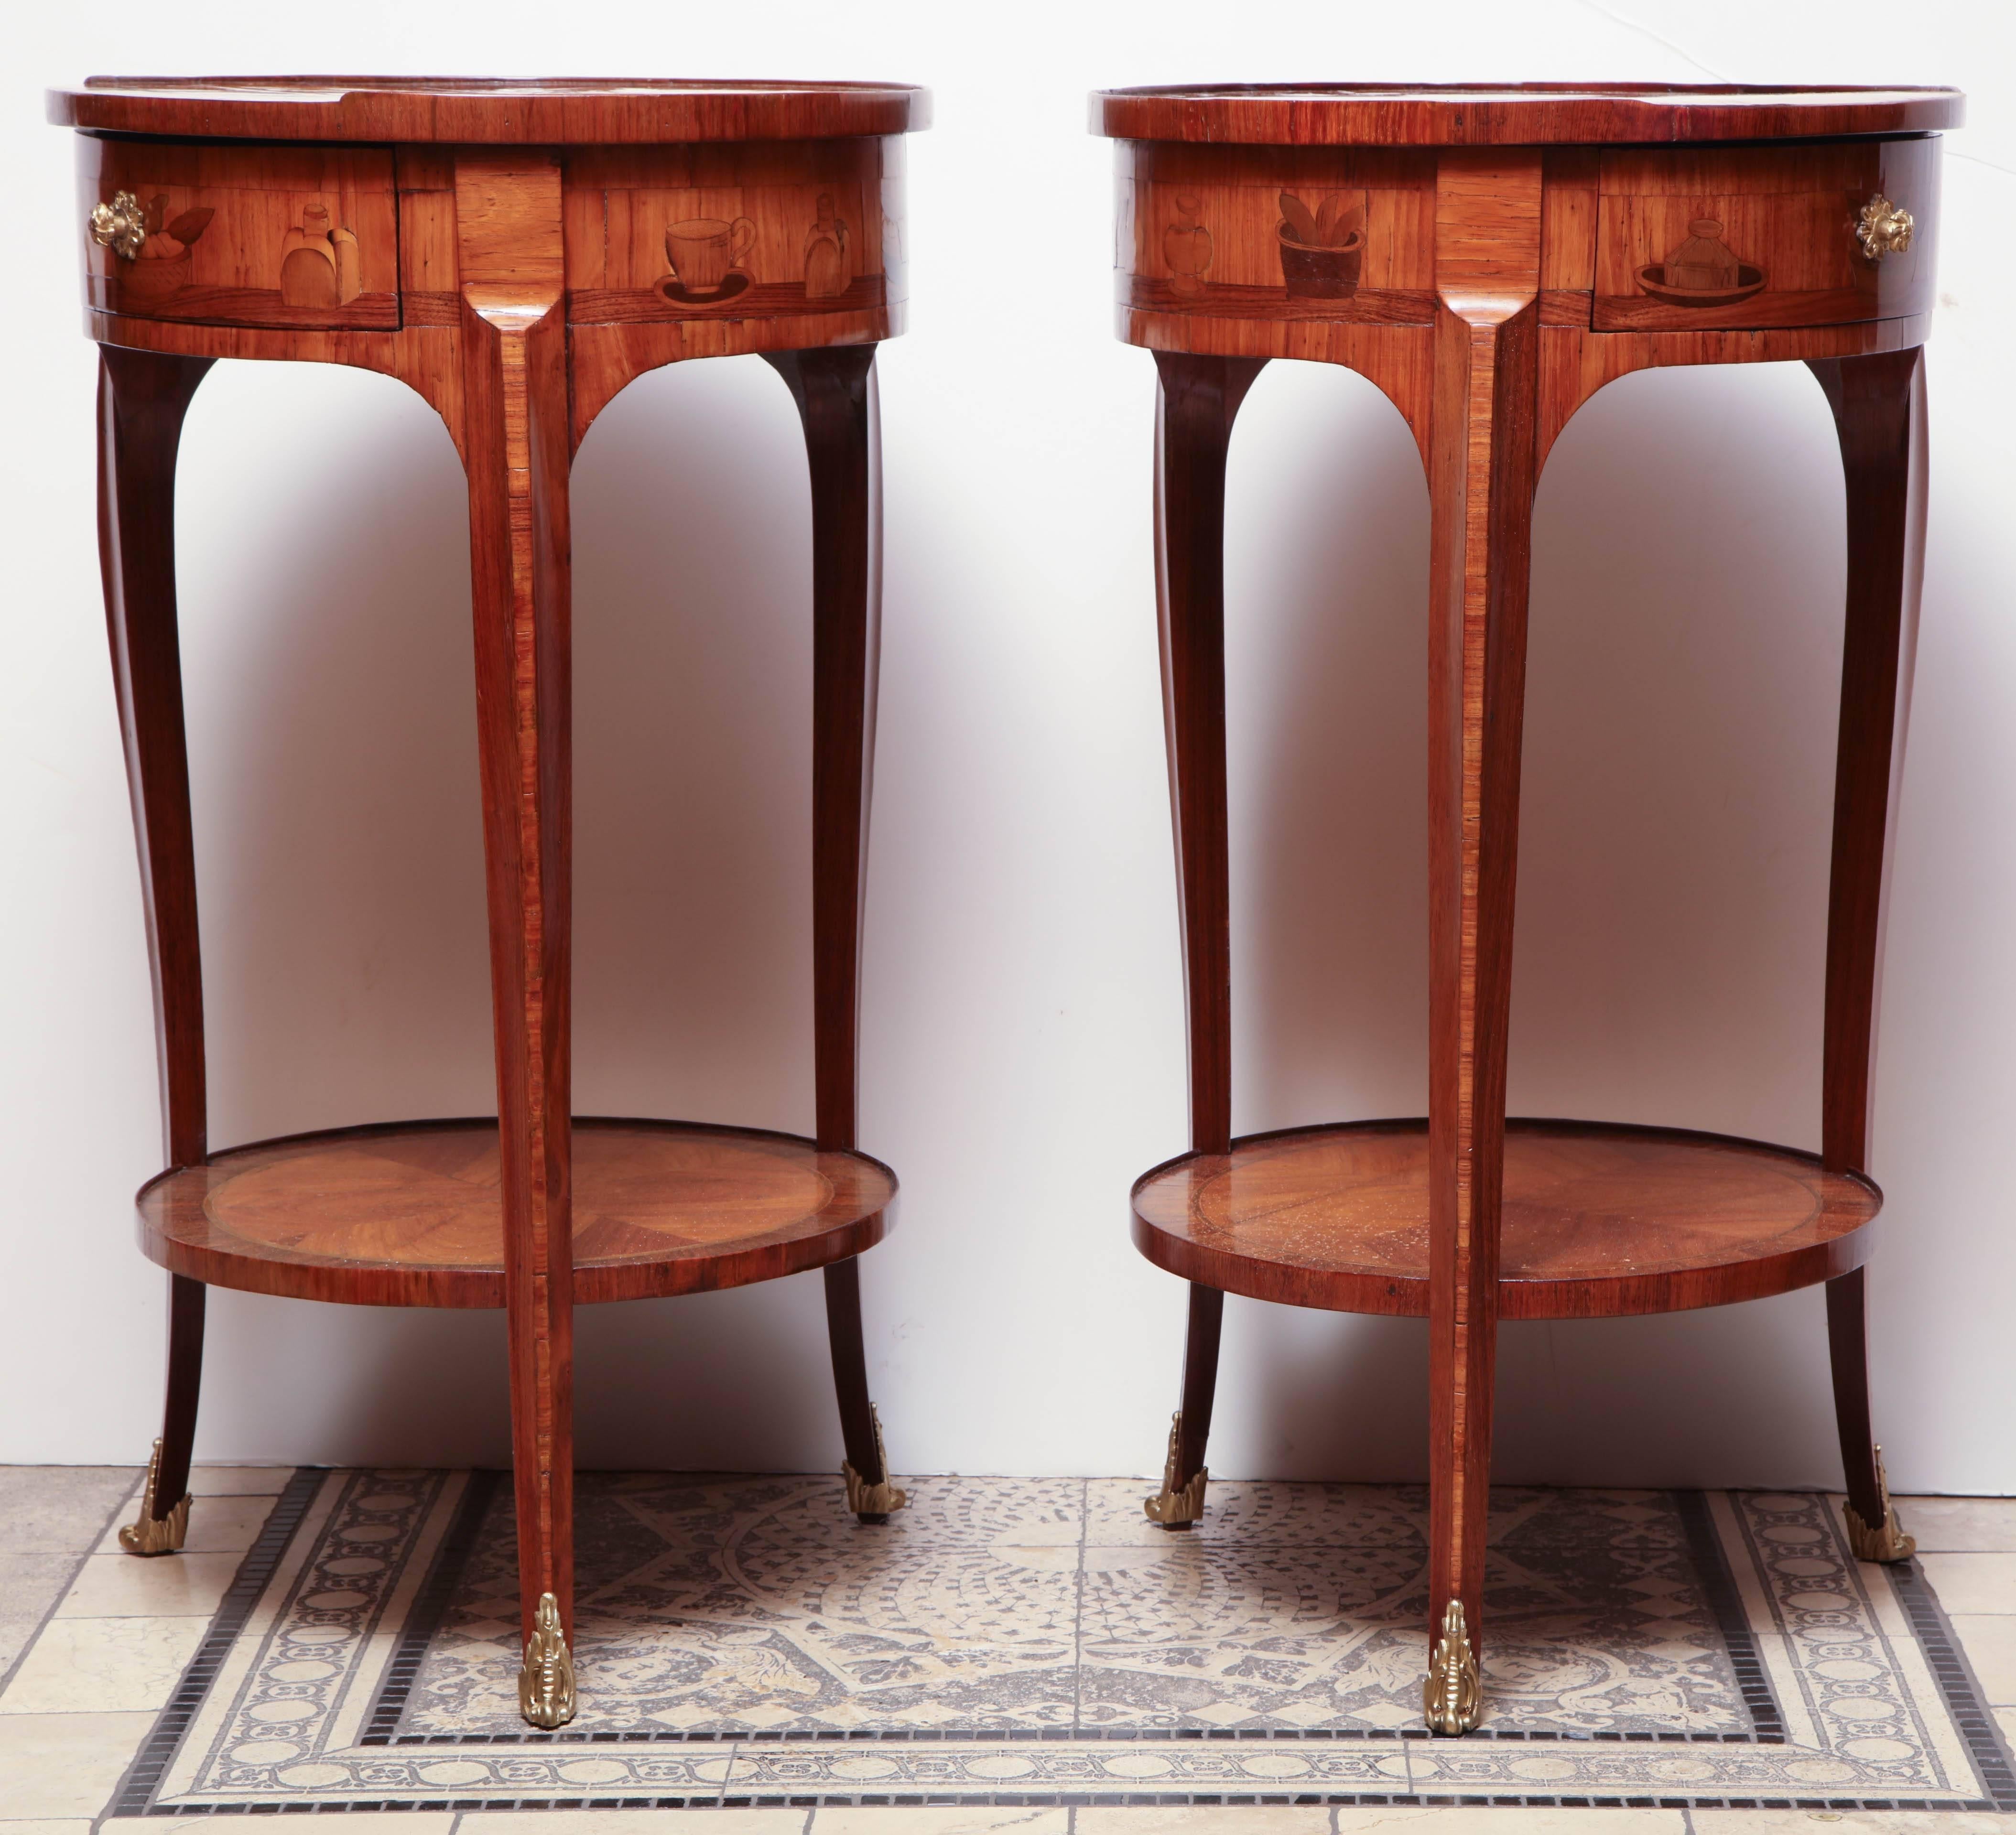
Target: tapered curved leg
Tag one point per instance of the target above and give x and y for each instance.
(513, 337)
(835, 392)
(1198, 400)
(1878, 405)
(142, 398)
(1180, 1502)
(1482, 465)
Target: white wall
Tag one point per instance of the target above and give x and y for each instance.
(1023, 1011)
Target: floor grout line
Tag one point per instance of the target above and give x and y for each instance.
(1077, 1609)
(76, 1574)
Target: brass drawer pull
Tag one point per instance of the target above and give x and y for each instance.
(1884, 228)
(120, 226)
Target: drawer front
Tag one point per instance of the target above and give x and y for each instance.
(763, 229)
(1345, 235)
(240, 235)
(1758, 238)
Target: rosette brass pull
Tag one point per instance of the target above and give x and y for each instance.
(120, 226)
(1883, 229)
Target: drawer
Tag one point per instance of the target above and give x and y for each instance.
(1325, 234)
(247, 234)
(763, 229)
(1761, 237)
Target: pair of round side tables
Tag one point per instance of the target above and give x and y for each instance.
(518, 251)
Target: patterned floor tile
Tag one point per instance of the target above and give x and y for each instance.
(744, 1641)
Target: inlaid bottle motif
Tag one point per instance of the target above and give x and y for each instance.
(1704, 262)
(1186, 248)
(829, 263)
(318, 264)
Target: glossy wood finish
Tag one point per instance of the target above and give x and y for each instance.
(413, 1214)
(1879, 409)
(282, 235)
(1490, 259)
(1198, 399)
(836, 396)
(141, 401)
(1515, 114)
(454, 111)
(1598, 1222)
(1481, 470)
(1788, 216)
(516, 449)
(516, 253)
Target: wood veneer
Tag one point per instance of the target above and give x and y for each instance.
(412, 1214)
(516, 252)
(1596, 1221)
(1490, 258)
(454, 111)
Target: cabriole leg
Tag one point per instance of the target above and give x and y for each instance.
(143, 399)
(1878, 405)
(1180, 1502)
(835, 393)
(1198, 399)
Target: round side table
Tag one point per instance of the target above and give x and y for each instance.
(1490, 258)
(516, 251)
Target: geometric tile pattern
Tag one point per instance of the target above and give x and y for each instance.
(743, 1638)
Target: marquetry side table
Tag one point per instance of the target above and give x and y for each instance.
(1490, 258)
(516, 252)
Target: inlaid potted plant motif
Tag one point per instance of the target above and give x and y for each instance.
(1186, 248)
(159, 268)
(1703, 270)
(1322, 249)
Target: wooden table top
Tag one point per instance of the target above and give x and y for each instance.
(545, 111)
(1512, 114)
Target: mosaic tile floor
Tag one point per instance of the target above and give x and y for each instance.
(1265, 1615)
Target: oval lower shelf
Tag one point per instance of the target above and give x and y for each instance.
(410, 1214)
(1600, 1220)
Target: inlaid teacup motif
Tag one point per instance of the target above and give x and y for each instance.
(704, 250)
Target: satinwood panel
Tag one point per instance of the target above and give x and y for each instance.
(773, 229)
(1778, 223)
(1275, 232)
(258, 236)
(1598, 1220)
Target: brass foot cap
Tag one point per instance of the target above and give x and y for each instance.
(1883, 1540)
(1451, 1697)
(877, 1502)
(156, 1531)
(1177, 1506)
(545, 1684)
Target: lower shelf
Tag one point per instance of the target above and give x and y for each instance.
(1599, 1220)
(410, 1214)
